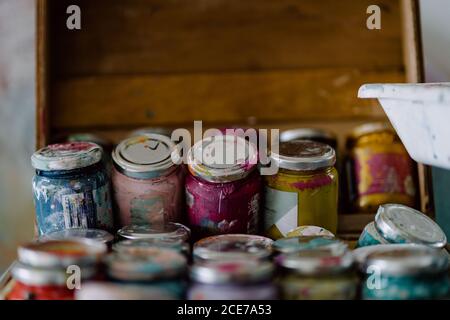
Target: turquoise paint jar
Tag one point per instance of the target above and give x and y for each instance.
(370, 237)
(408, 272)
(400, 224)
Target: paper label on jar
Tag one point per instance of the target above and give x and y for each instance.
(281, 210)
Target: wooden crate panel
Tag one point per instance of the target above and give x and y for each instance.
(172, 36)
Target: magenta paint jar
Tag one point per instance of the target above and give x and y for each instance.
(223, 189)
(148, 187)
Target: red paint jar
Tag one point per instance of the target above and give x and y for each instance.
(223, 188)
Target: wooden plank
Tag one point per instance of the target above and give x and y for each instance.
(166, 36)
(225, 97)
(42, 74)
(354, 223)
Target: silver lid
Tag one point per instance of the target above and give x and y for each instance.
(327, 261)
(406, 260)
(157, 264)
(175, 231)
(222, 158)
(33, 276)
(304, 155)
(224, 272)
(233, 247)
(93, 234)
(295, 244)
(401, 224)
(369, 128)
(306, 134)
(146, 156)
(142, 246)
(67, 156)
(61, 253)
(360, 254)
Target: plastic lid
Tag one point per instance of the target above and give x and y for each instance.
(146, 156)
(61, 253)
(224, 272)
(233, 247)
(175, 231)
(66, 156)
(158, 264)
(327, 261)
(306, 134)
(93, 234)
(142, 246)
(304, 155)
(222, 158)
(401, 224)
(295, 244)
(406, 260)
(33, 276)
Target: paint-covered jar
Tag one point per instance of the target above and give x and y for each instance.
(314, 134)
(167, 231)
(233, 247)
(401, 224)
(370, 237)
(232, 280)
(71, 188)
(305, 189)
(145, 246)
(223, 189)
(147, 183)
(44, 268)
(79, 233)
(410, 272)
(324, 274)
(157, 265)
(296, 244)
(379, 168)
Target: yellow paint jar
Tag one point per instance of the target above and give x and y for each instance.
(304, 191)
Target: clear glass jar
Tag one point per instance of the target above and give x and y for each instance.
(304, 191)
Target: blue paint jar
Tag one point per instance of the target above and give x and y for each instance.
(71, 188)
(370, 237)
(405, 272)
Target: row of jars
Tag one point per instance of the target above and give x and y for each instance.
(152, 263)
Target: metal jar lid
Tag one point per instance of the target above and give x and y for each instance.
(158, 264)
(146, 156)
(90, 137)
(304, 155)
(61, 253)
(307, 134)
(170, 230)
(222, 158)
(92, 234)
(409, 259)
(309, 231)
(144, 246)
(296, 244)
(360, 254)
(66, 156)
(234, 272)
(33, 276)
(369, 128)
(328, 261)
(233, 247)
(401, 224)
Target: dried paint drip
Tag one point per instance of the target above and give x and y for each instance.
(71, 188)
(147, 184)
(223, 195)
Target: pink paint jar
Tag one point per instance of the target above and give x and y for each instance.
(223, 189)
(147, 184)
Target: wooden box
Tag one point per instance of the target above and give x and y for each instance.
(265, 63)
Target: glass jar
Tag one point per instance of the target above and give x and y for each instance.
(408, 272)
(317, 274)
(233, 247)
(147, 183)
(223, 191)
(78, 233)
(370, 237)
(380, 169)
(232, 280)
(168, 231)
(296, 244)
(71, 188)
(304, 191)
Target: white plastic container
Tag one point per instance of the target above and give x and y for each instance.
(420, 113)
